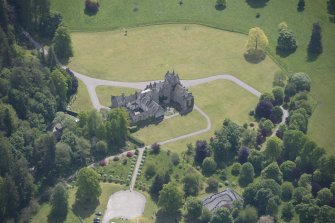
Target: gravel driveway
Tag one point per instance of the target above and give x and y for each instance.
(124, 204)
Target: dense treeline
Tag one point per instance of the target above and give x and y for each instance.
(39, 143)
(284, 175)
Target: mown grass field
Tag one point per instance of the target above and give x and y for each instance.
(148, 52)
(238, 16)
(170, 128)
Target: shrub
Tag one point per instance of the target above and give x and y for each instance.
(235, 170)
(175, 159)
(213, 185)
(150, 170)
(129, 154)
(156, 148)
(92, 6)
(116, 158)
(209, 165)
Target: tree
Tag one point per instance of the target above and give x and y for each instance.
(307, 212)
(59, 200)
(286, 191)
(301, 5)
(209, 166)
(256, 158)
(287, 211)
(248, 139)
(5, 50)
(206, 215)
(276, 115)
(171, 198)
(62, 158)
(273, 148)
(101, 148)
(279, 79)
(150, 170)
(293, 141)
(193, 208)
(159, 180)
(286, 40)
(247, 174)
(226, 142)
(298, 194)
(59, 87)
(92, 6)
(324, 197)
(221, 4)
(278, 94)
(88, 185)
(235, 170)
(247, 215)
(266, 127)
(62, 43)
(191, 184)
(221, 215)
(298, 122)
(287, 168)
(201, 151)
(310, 157)
(263, 109)
(272, 171)
(301, 81)
(156, 148)
(213, 185)
(326, 214)
(257, 39)
(315, 44)
(44, 156)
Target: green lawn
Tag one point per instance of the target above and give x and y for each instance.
(219, 100)
(170, 128)
(105, 92)
(193, 51)
(239, 16)
(82, 101)
(87, 214)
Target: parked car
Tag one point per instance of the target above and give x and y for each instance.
(98, 213)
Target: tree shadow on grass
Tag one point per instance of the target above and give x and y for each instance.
(220, 7)
(90, 12)
(53, 218)
(85, 209)
(254, 59)
(312, 57)
(331, 7)
(257, 3)
(164, 217)
(284, 53)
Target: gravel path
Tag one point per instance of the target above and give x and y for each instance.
(137, 167)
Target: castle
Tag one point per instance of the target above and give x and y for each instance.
(149, 103)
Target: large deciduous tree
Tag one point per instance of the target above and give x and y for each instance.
(59, 200)
(171, 198)
(62, 43)
(247, 174)
(88, 185)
